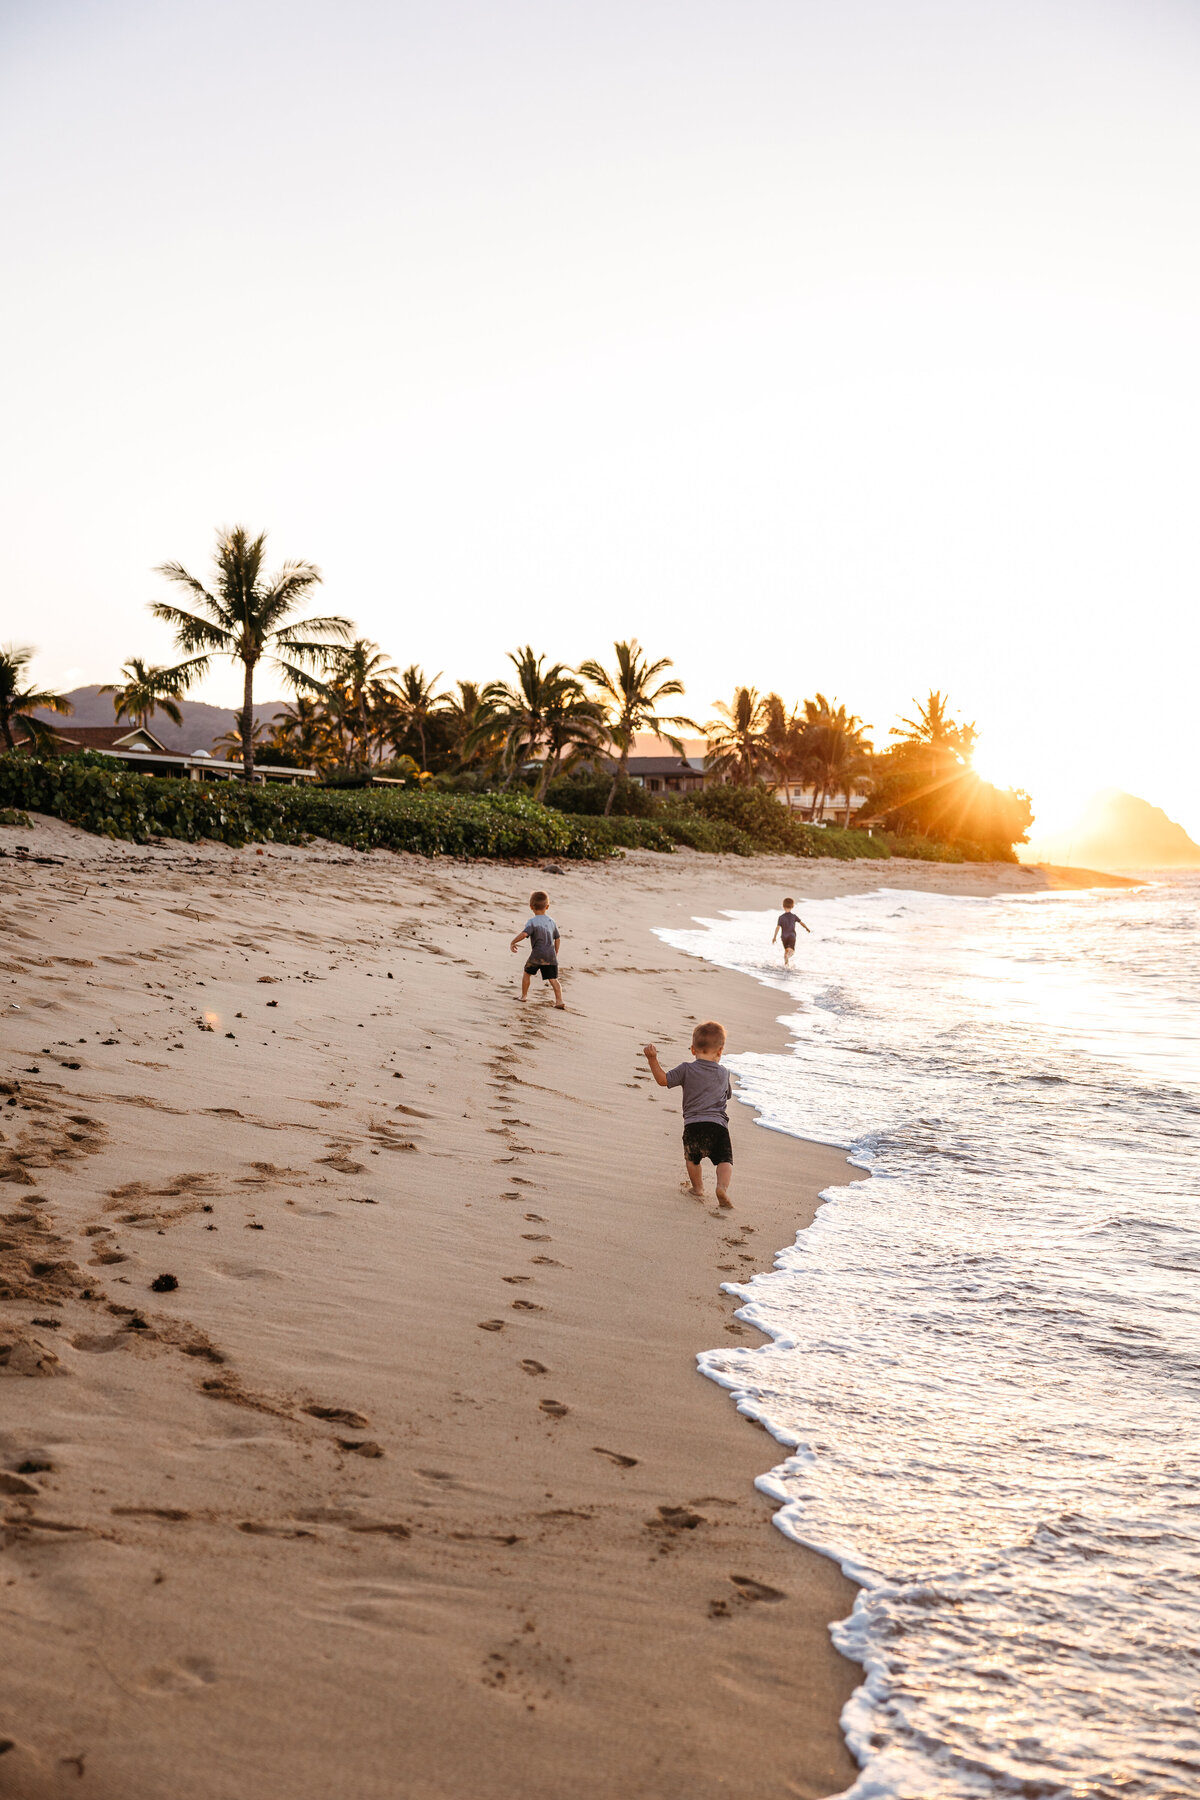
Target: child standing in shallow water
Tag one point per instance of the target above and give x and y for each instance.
(706, 1093)
(785, 926)
(543, 937)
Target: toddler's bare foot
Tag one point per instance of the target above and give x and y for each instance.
(723, 1198)
(560, 1006)
(696, 1193)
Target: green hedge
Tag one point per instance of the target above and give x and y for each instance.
(91, 792)
(101, 796)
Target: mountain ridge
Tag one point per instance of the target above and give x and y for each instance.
(202, 723)
(1118, 831)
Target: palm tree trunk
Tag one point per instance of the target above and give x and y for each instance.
(622, 769)
(248, 724)
(549, 771)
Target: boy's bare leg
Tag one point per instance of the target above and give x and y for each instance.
(788, 954)
(556, 987)
(695, 1175)
(525, 981)
(724, 1180)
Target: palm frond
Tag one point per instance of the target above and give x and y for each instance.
(191, 631)
(302, 681)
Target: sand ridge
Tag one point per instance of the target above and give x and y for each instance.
(353, 1440)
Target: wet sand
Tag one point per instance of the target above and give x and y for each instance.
(404, 1483)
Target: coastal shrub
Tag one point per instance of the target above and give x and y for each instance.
(716, 836)
(837, 841)
(925, 849)
(102, 797)
(582, 793)
(10, 816)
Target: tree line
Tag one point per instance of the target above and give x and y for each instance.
(355, 713)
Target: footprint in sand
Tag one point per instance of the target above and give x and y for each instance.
(339, 1415)
(675, 1518)
(183, 1677)
(749, 1589)
(615, 1456)
(555, 1408)
(491, 1325)
(532, 1367)
(516, 1280)
(534, 1218)
(537, 1237)
(526, 1306)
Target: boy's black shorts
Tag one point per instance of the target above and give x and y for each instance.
(547, 971)
(707, 1140)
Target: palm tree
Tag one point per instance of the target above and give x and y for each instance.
(838, 754)
(247, 618)
(232, 744)
(361, 677)
(305, 729)
(518, 715)
(19, 698)
(845, 754)
(632, 699)
(148, 688)
(934, 750)
(417, 700)
(575, 728)
(464, 714)
(737, 737)
(785, 743)
(947, 740)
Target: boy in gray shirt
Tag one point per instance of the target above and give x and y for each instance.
(543, 937)
(706, 1093)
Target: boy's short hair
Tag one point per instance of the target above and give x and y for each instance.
(789, 903)
(538, 900)
(709, 1036)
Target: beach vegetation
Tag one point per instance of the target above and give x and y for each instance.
(20, 699)
(144, 689)
(631, 694)
(541, 720)
(924, 790)
(737, 737)
(248, 616)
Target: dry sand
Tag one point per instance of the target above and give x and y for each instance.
(410, 1486)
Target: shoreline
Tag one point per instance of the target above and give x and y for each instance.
(516, 1548)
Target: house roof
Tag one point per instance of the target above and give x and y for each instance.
(665, 765)
(107, 737)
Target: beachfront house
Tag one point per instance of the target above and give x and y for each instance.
(667, 774)
(135, 747)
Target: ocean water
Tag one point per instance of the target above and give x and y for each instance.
(985, 1360)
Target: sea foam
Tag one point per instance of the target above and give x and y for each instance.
(985, 1361)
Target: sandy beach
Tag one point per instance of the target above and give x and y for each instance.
(404, 1483)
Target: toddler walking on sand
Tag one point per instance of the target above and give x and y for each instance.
(706, 1093)
(785, 926)
(543, 937)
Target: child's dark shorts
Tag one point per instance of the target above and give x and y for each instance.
(707, 1139)
(547, 971)
(789, 943)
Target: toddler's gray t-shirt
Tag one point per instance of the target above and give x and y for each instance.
(786, 924)
(706, 1088)
(542, 933)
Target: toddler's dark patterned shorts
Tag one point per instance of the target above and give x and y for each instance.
(707, 1139)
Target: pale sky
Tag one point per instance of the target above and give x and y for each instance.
(848, 346)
